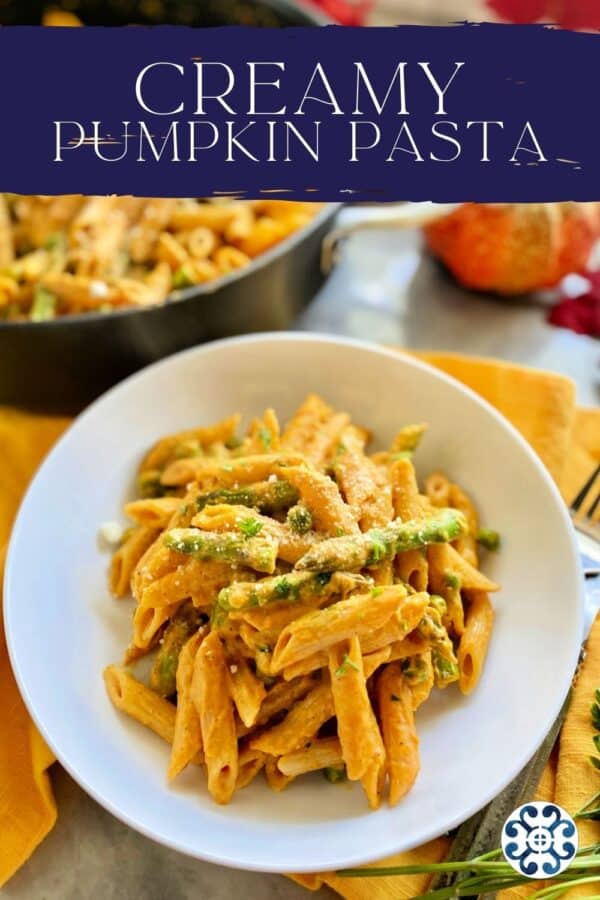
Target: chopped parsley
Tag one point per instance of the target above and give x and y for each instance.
(283, 588)
(265, 437)
(376, 592)
(250, 527)
(347, 664)
(181, 279)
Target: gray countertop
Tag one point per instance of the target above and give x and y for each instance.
(385, 290)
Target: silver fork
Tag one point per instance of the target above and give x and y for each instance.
(588, 531)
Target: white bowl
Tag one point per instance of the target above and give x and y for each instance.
(63, 627)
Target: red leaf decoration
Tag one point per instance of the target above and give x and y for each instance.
(579, 14)
(566, 13)
(580, 314)
(521, 12)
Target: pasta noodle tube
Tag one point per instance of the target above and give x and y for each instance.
(357, 727)
(211, 696)
(147, 620)
(323, 442)
(318, 630)
(309, 418)
(400, 739)
(247, 690)
(138, 701)
(245, 470)
(437, 488)
(412, 568)
(167, 448)
(154, 512)
(276, 780)
(473, 645)
(187, 738)
(448, 568)
(321, 496)
(319, 754)
(255, 552)
(127, 557)
(282, 696)
(391, 635)
(200, 580)
(405, 492)
(250, 762)
(418, 672)
(467, 545)
(301, 723)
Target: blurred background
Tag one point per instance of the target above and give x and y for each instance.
(391, 12)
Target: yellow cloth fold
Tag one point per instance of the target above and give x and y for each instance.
(540, 405)
(27, 809)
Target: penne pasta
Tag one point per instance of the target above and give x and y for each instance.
(322, 498)
(356, 724)
(187, 735)
(140, 703)
(300, 597)
(319, 630)
(395, 702)
(474, 642)
(154, 512)
(212, 698)
(247, 691)
(321, 753)
(128, 556)
(300, 724)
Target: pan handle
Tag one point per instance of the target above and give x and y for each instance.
(393, 215)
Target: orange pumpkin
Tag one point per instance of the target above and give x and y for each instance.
(515, 248)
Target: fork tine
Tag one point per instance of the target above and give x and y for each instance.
(593, 507)
(580, 498)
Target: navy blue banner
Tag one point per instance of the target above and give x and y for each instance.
(472, 112)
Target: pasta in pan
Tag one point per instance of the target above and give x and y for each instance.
(73, 254)
(301, 599)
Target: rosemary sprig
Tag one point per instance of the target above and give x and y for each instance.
(591, 810)
(488, 873)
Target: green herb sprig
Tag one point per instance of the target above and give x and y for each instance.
(591, 810)
(489, 873)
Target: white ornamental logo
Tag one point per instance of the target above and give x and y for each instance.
(539, 840)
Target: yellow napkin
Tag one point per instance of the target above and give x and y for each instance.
(541, 405)
(27, 809)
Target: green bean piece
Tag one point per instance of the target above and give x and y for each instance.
(182, 626)
(293, 587)
(258, 553)
(299, 519)
(265, 496)
(379, 544)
